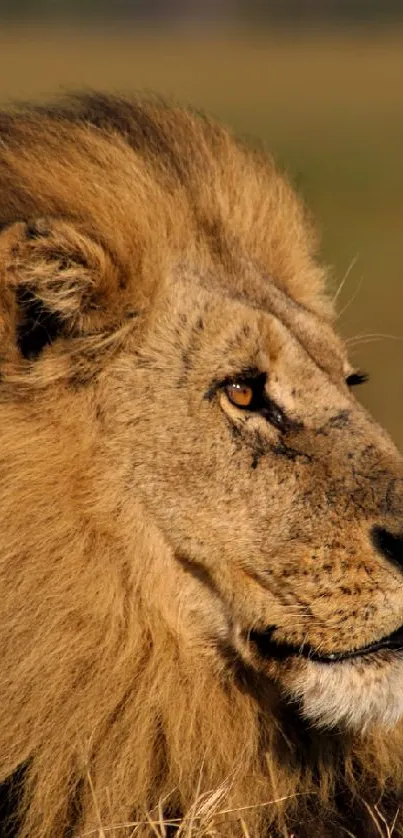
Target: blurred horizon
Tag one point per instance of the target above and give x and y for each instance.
(317, 82)
(287, 12)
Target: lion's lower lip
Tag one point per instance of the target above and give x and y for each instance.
(271, 648)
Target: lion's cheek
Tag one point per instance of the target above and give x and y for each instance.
(357, 694)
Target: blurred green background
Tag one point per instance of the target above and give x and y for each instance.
(320, 83)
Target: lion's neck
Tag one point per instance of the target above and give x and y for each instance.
(118, 706)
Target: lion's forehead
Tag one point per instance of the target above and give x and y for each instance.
(227, 332)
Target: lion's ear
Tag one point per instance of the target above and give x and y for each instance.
(58, 281)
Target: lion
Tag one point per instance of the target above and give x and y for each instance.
(202, 529)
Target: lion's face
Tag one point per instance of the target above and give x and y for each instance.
(230, 418)
(276, 491)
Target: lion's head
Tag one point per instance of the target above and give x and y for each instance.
(195, 507)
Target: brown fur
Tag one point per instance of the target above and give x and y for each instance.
(148, 525)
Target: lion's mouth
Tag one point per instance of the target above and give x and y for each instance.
(268, 647)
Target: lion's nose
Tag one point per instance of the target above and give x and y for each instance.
(389, 545)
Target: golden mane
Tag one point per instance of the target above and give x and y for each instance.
(111, 712)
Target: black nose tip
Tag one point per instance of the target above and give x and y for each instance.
(389, 545)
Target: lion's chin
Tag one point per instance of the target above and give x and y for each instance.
(354, 693)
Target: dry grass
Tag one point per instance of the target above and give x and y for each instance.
(205, 820)
(203, 827)
(331, 108)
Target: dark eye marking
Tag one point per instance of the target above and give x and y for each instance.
(276, 416)
(356, 378)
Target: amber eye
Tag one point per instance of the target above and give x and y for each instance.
(240, 394)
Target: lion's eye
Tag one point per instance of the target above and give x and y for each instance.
(247, 391)
(240, 394)
(356, 378)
